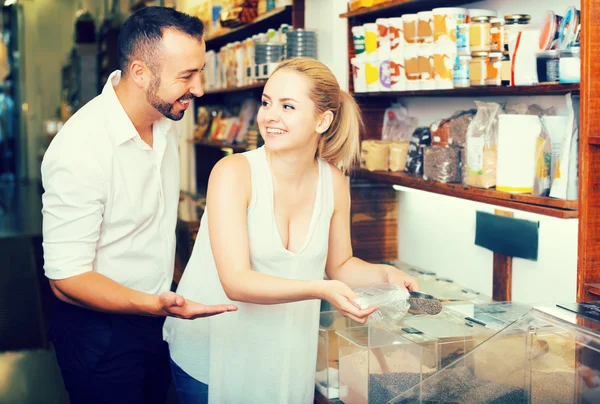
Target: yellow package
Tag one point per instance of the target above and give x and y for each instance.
(374, 155)
(356, 4)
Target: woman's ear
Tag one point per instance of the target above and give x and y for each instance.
(324, 122)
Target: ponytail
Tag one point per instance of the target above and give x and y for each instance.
(340, 144)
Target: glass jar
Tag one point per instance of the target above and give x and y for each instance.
(569, 65)
(494, 70)
(506, 69)
(513, 23)
(462, 76)
(548, 67)
(478, 68)
(479, 34)
(497, 35)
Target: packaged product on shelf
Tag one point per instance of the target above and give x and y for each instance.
(248, 112)
(565, 181)
(444, 58)
(385, 83)
(463, 45)
(398, 153)
(497, 35)
(356, 4)
(462, 72)
(569, 29)
(445, 22)
(425, 27)
(548, 67)
(479, 34)
(359, 77)
(549, 33)
(556, 128)
(543, 162)
(383, 38)
(396, 38)
(569, 66)
(442, 164)
(440, 132)
(410, 23)
(459, 125)
(372, 76)
(493, 75)
(397, 74)
(414, 159)
(478, 68)
(411, 65)
(426, 68)
(374, 155)
(523, 57)
(358, 37)
(397, 125)
(517, 139)
(482, 146)
(371, 41)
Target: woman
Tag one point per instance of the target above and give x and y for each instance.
(277, 220)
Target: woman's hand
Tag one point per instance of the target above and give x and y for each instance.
(398, 277)
(341, 297)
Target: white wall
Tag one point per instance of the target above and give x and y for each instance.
(438, 232)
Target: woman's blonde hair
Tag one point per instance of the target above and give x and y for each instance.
(339, 145)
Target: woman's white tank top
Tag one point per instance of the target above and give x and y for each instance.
(261, 353)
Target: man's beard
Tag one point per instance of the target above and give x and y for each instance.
(161, 105)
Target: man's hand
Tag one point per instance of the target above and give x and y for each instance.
(174, 305)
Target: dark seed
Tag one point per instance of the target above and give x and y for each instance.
(428, 306)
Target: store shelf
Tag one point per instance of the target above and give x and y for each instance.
(546, 89)
(237, 148)
(271, 19)
(399, 7)
(535, 204)
(235, 89)
(593, 288)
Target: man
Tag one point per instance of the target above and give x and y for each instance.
(111, 180)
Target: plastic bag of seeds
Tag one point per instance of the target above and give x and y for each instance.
(391, 299)
(442, 164)
(482, 146)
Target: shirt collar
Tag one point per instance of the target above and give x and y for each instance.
(122, 127)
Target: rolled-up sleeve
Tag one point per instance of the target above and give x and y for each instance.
(73, 207)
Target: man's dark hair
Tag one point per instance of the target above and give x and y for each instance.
(141, 35)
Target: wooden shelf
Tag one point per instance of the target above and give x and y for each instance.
(235, 89)
(535, 204)
(593, 288)
(237, 148)
(594, 140)
(546, 89)
(261, 23)
(399, 7)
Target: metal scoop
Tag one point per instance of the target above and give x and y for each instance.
(422, 303)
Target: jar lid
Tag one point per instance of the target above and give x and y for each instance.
(480, 19)
(517, 18)
(464, 57)
(480, 54)
(551, 53)
(497, 21)
(496, 55)
(549, 30)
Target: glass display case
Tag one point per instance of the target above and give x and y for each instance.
(549, 355)
(326, 376)
(377, 364)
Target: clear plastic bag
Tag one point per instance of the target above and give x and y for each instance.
(482, 146)
(397, 125)
(392, 301)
